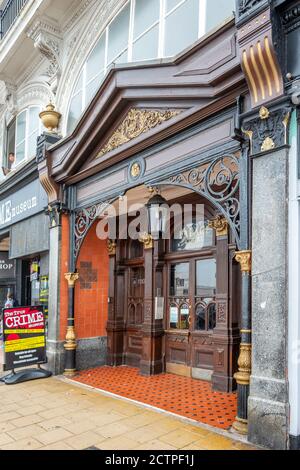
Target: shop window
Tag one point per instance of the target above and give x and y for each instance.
(22, 136)
(145, 30)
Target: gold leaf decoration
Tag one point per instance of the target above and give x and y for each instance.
(137, 122)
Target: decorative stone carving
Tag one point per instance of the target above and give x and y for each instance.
(47, 39)
(70, 344)
(137, 122)
(269, 130)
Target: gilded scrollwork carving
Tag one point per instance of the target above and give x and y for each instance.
(137, 122)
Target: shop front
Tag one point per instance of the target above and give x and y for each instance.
(25, 229)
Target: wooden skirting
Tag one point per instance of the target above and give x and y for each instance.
(178, 369)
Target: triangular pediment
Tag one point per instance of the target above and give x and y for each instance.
(136, 122)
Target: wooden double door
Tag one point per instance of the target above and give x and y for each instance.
(191, 316)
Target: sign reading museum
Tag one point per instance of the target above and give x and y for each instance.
(22, 204)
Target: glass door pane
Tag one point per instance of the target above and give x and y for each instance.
(180, 280)
(179, 302)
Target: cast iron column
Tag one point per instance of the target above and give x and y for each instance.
(70, 344)
(242, 377)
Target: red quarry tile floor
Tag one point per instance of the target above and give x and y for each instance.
(183, 396)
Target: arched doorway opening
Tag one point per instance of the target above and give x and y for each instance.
(91, 307)
(180, 310)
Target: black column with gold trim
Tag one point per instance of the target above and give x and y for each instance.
(70, 344)
(242, 377)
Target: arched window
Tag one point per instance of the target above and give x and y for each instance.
(21, 140)
(145, 30)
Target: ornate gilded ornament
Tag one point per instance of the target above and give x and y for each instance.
(72, 278)
(111, 246)
(268, 131)
(244, 362)
(264, 113)
(70, 344)
(245, 260)
(220, 225)
(137, 122)
(135, 170)
(268, 144)
(147, 240)
(50, 118)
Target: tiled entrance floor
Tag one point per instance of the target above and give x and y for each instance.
(183, 396)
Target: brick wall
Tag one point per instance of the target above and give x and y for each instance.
(91, 291)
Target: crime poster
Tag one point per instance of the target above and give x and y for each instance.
(24, 337)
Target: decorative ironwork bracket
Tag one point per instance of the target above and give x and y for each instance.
(84, 219)
(219, 182)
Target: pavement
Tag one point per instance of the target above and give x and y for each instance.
(59, 414)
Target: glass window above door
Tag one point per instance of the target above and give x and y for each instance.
(194, 236)
(145, 30)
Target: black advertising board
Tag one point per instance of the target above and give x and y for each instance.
(24, 337)
(7, 266)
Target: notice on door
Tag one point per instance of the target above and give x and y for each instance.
(24, 337)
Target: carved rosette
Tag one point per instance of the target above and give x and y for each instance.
(245, 260)
(220, 225)
(72, 278)
(147, 240)
(111, 247)
(137, 122)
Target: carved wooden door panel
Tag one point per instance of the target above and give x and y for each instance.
(135, 316)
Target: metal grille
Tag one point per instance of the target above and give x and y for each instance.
(9, 14)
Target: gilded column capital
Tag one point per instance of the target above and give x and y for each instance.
(220, 225)
(111, 247)
(147, 240)
(245, 260)
(72, 278)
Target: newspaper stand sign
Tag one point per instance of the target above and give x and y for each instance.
(24, 337)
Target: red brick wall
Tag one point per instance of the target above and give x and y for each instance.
(63, 283)
(91, 291)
